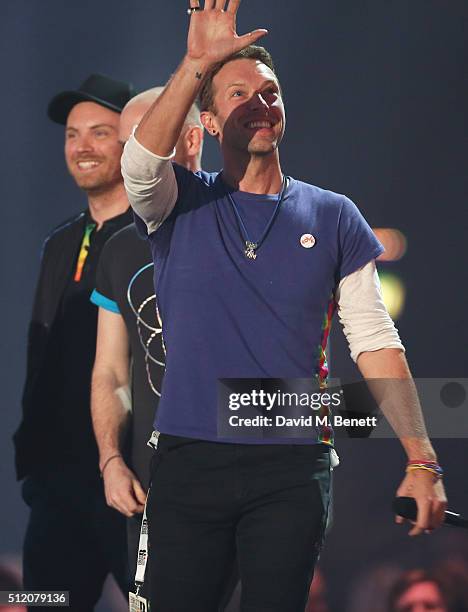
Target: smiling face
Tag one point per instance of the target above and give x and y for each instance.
(248, 114)
(92, 148)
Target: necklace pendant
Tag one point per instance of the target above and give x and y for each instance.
(250, 249)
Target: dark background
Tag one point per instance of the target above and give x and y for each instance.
(376, 96)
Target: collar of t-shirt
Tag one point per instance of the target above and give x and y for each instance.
(93, 240)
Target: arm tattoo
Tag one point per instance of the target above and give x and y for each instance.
(198, 75)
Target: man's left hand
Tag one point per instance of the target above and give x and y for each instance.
(429, 494)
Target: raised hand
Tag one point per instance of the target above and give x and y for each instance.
(212, 35)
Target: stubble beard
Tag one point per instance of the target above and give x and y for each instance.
(255, 148)
(95, 185)
(262, 149)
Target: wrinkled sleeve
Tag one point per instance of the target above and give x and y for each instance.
(362, 313)
(150, 183)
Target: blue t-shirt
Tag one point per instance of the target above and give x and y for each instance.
(227, 316)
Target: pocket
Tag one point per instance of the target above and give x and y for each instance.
(319, 454)
(154, 463)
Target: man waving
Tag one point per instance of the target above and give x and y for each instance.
(263, 260)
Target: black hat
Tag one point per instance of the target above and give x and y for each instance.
(97, 88)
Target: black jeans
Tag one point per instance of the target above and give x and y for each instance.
(73, 540)
(209, 501)
(230, 600)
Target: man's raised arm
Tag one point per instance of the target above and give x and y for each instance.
(149, 179)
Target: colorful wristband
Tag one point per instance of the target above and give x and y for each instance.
(429, 466)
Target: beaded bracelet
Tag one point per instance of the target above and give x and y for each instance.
(429, 466)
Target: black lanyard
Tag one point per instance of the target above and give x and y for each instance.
(252, 246)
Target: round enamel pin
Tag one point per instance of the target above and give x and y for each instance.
(307, 241)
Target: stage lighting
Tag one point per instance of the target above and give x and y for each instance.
(393, 292)
(393, 241)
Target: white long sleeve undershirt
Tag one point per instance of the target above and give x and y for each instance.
(366, 323)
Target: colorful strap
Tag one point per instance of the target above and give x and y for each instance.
(84, 250)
